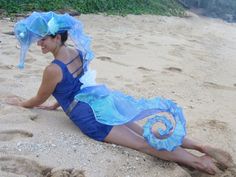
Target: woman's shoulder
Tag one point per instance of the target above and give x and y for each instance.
(51, 75)
(52, 67)
(53, 70)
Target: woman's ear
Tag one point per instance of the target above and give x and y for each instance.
(58, 37)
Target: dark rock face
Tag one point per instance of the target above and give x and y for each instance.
(225, 10)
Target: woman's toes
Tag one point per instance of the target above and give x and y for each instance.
(207, 165)
(223, 157)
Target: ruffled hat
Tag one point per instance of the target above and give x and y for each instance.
(41, 24)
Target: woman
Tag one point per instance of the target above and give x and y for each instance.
(62, 79)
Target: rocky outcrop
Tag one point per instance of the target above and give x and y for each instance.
(225, 10)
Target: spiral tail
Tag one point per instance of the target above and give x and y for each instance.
(171, 137)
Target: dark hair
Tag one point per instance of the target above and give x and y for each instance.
(64, 36)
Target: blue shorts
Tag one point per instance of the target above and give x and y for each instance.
(82, 115)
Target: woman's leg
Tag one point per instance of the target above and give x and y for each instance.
(123, 135)
(135, 127)
(221, 156)
(187, 143)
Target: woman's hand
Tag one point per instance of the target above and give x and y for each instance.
(14, 100)
(48, 107)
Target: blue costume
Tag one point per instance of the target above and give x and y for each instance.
(82, 114)
(95, 108)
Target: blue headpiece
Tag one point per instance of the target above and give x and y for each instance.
(39, 25)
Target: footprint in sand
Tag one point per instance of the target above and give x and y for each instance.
(149, 79)
(144, 69)
(11, 33)
(212, 124)
(218, 86)
(7, 67)
(217, 124)
(30, 60)
(16, 118)
(123, 79)
(18, 167)
(147, 72)
(174, 69)
(14, 134)
(109, 59)
(104, 58)
(215, 130)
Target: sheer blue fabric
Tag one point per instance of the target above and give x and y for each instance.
(115, 108)
(41, 24)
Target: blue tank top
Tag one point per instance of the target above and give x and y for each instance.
(69, 86)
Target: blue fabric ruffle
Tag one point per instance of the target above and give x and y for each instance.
(115, 108)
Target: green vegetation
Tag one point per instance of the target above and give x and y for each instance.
(119, 7)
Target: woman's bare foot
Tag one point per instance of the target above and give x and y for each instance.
(207, 165)
(222, 157)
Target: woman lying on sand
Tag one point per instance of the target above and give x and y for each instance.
(69, 80)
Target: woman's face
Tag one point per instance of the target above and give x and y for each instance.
(47, 44)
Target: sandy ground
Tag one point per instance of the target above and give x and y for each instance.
(190, 60)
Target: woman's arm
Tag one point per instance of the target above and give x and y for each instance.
(49, 107)
(51, 76)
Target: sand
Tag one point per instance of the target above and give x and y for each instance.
(191, 60)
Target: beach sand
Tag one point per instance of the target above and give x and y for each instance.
(191, 60)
